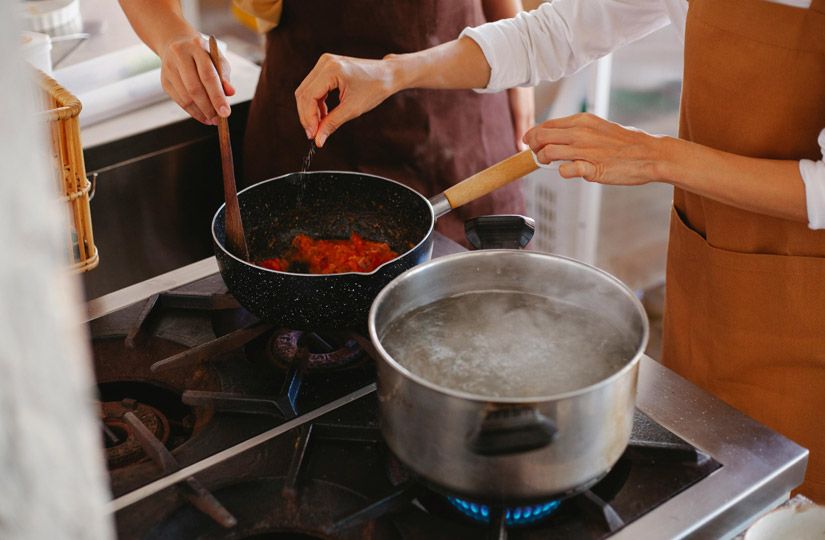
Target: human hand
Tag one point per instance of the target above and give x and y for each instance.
(190, 79)
(598, 150)
(362, 85)
(523, 111)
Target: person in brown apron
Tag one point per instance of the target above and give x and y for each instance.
(425, 139)
(745, 292)
(745, 301)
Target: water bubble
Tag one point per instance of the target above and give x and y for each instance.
(508, 344)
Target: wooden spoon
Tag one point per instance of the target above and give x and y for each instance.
(235, 239)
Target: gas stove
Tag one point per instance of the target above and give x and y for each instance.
(219, 426)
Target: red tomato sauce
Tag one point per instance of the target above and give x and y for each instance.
(332, 256)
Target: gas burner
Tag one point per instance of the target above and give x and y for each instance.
(126, 384)
(286, 348)
(515, 516)
(323, 353)
(268, 508)
(122, 446)
(160, 409)
(595, 501)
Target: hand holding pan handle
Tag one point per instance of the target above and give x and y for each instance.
(486, 181)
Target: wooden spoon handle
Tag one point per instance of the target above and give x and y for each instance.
(235, 240)
(491, 178)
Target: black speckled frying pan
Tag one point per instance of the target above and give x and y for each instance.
(332, 205)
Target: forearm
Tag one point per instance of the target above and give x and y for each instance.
(765, 186)
(187, 73)
(458, 64)
(500, 9)
(157, 22)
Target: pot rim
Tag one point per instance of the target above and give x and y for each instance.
(347, 173)
(630, 365)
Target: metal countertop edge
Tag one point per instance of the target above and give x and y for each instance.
(127, 296)
(759, 466)
(167, 481)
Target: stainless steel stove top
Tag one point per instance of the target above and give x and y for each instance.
(758, 467)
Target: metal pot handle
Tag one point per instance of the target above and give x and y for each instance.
(500, 231)
(512, 431)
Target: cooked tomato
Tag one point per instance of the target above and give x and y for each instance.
(333, 256)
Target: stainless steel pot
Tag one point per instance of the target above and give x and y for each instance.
(507, 449)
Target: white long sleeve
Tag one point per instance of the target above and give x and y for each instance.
(561, 37)
(813, 175)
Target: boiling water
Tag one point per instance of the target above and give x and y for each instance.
(508, 344)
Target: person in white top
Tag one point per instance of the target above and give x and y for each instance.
(559, 38)
(546, 44)
(745, 284)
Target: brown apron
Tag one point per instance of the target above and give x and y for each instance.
(745, 315)
(426, 139)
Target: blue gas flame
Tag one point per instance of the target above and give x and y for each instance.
(519, 515)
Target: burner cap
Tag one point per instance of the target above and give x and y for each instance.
(122, 447)
(325, 353)
(160, 410)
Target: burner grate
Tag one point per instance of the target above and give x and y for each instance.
(193, 490)
(177, 300)
(282, 365)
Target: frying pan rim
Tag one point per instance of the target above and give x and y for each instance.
(478, 398)
(425, 238)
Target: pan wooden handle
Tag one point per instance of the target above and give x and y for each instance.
(491, 178)
(235, 239)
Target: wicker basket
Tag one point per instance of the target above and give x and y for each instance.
(60, 110)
